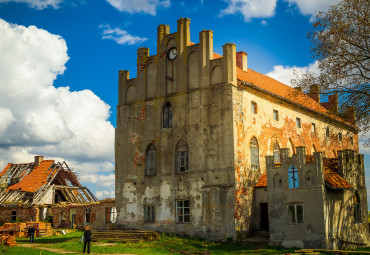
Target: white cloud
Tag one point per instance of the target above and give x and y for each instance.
(120, 36)
(251, 8)
(40, 119)
(310, 7)
(137, 6)
(105, 194)
(37, 4)
(264, 22)
(364, 140)
(285, 74)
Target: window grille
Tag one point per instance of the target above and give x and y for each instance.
(254, 154)
(183, 211)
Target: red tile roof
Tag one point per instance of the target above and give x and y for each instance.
(36, 178)
(275, 87)
(262, 182)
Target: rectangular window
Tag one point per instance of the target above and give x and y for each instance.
(149, 213)
(182, 211)
(87, 215)
(110, 214)
(313, 128)
(254, 107)
(295, 213)
(357, 212)
(298, 122)
(340, 138)
(327, 132)
(351, 140)
(182, 161)
(276, 115)
(150, 164)
(13, 216)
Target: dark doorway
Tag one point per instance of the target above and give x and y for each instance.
(264, 216)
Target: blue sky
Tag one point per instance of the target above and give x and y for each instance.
(82, 44)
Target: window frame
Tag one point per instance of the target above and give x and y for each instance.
(167, 114)
(149, 213)
(275, 114)
(111, 214)
(182, 157)
(254, 108)
(313, 126)
(298, 122)
(151, 160)
(296, 220)
(186, 217)
(87, 212)
(254, 152)
(340, 137)
(327, 132)
(13, 216)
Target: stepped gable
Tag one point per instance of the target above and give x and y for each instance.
(36, 178)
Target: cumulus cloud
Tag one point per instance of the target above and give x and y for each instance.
(40, 119)
(310, 7)
(37, 4)
(105, 194)
(137, 6)
(285, 74)
(120, 36)
(251, 8)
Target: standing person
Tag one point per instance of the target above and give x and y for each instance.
(31, 233)
(87, 239)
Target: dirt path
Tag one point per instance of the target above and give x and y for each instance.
(60, 251)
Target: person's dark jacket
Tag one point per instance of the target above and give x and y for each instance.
(87, 235)
(31, 230)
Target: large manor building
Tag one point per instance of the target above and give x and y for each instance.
(193, 131)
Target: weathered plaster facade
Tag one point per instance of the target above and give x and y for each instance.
(211, 112)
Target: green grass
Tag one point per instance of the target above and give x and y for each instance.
(167, 244)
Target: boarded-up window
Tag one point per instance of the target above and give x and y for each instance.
(182, 157)
(277, 159)
(150, 160)
(254, 154)
(167, 115)
(183, 211)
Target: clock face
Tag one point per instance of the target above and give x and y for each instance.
(172, 53)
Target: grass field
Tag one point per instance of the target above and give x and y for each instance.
(166, 245)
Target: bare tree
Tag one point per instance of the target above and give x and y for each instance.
(340, 44)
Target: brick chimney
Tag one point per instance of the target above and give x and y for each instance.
(38, 160)
(315, 92)
(241, 60)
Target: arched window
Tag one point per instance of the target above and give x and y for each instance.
(254, 154)
(293, 177)
(150, 160)
(167, 115)
(356, 208)
(182, 157)
(277, 159)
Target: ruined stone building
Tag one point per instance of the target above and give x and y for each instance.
(193, 130)
(46, 190)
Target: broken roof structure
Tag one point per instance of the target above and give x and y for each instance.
(43, 182)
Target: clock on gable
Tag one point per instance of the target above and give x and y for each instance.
(172, 53)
